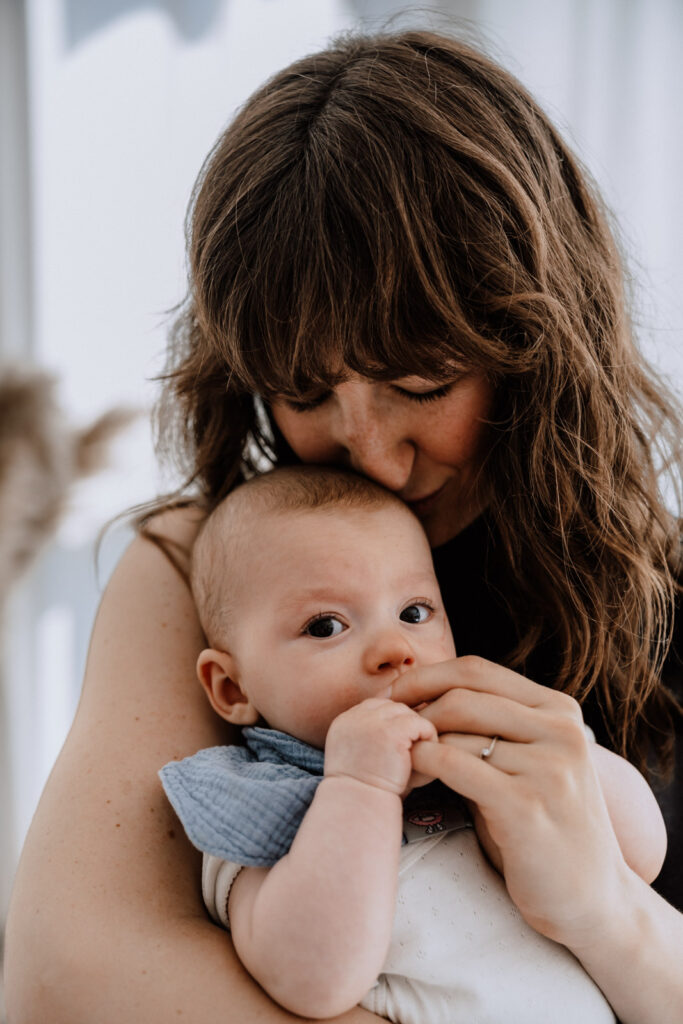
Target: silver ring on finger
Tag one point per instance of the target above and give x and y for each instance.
(485, 752)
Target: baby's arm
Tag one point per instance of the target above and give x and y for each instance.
(634, 813)
(314, 929)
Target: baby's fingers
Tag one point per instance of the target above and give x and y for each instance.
(406, 725)
(419, 728)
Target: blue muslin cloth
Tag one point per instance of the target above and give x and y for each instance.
(245, 804)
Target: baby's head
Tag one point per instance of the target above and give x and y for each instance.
(316, 589)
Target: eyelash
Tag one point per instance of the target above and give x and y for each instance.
(421, 397)
(421, 602)
(316, 618)
(426, 396)
(319, 618)
(309, 406)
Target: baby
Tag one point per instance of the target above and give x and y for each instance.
(316, 590)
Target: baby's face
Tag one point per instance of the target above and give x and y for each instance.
(334, 605)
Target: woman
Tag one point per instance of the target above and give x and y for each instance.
(396, 265)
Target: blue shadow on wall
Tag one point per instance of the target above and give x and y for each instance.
(84, 18)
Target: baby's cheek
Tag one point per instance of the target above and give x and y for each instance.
(446, 642)
(315, 714)
(341, 700)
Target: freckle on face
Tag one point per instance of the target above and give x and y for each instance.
(431, 448)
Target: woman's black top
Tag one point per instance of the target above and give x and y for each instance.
(482, 625)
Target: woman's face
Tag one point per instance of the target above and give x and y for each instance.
(424, 442)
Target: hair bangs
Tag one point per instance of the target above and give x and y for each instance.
(352, 279)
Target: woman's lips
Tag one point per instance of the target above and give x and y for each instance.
(423, 506)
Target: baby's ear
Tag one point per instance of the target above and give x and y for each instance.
(216, 673)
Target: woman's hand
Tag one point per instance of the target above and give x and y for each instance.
(538, 793)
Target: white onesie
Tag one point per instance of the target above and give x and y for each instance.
(460, 953)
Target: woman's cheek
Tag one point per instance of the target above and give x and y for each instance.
(304, 433)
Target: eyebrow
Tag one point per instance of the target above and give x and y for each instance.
(321, 595)
(327, 595)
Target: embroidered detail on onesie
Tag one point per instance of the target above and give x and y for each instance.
(432, 809)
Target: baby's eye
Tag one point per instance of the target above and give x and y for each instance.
(323, 627)
(416, 613)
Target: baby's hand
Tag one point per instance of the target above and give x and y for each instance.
(372, 742)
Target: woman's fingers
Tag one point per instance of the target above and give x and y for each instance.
(455, 765)
(428, 682)
(511, 758)
(470, 711)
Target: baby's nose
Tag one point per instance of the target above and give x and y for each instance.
(389, 652)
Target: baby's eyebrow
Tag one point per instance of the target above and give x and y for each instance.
(416, 579)
(321, 595)
(329, 598)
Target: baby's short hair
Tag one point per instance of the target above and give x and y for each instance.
(226, 531)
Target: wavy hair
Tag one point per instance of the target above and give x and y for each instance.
(394, 205)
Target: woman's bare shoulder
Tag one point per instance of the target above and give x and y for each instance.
(179, 523)
(104, 837)
(147, 637)
(151, 577)
(173, 531)
(141, 703)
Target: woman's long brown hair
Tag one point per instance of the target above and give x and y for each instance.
(392, 206)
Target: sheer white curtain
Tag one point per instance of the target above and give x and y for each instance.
(123, 100)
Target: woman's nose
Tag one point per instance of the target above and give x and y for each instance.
(388, 651)
(373, 439)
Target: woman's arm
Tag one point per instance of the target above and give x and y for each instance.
(106, 922)
(541, 800)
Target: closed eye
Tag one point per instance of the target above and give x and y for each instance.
(304, 405)
(307, 404)
(432, 395)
